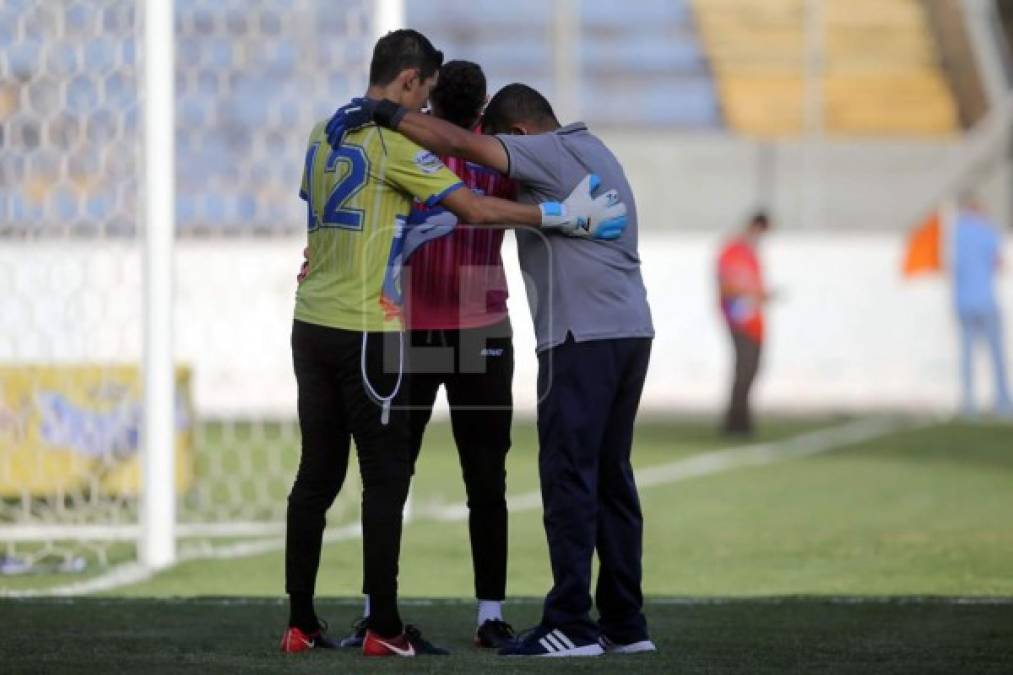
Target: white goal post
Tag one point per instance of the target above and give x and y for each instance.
(150, 155)
(158, 528)
(158, 495)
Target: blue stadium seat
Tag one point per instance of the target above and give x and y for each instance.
(664, 56)
(688, 103)
(101, 54)
(641, 14)
(423, 13)
(191, 110)
(82, 94)
(244, 83)
(8, 25)
(246, 207)
(100, 206)
(644, 52)
(23, 58)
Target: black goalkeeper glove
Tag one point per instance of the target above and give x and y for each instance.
(360, 112)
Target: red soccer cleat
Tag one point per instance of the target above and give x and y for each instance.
(407, 644)
(295, 640)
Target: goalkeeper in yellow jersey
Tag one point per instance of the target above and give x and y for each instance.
(347, 344)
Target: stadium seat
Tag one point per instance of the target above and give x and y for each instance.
(645, 53)
(882, 68)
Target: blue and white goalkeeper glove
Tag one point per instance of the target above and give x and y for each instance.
(584, 215)
(425, 226)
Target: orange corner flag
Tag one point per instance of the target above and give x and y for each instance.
(924, 248)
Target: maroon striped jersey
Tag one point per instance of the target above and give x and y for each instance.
(458, 281)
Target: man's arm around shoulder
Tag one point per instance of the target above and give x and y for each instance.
(445, 138)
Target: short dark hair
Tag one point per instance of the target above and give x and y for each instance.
(459, 94)
(760, 220)
(401, 49)
(516, 103)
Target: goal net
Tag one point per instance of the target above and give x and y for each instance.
(251, 78)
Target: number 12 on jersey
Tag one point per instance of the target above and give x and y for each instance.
(336, 211)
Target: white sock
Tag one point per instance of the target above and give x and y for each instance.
(365, 606)
(489, 610)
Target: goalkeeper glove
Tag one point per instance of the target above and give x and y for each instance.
(584, 215)
(358, 113)
(425, 226)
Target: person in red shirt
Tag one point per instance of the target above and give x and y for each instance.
(742, 297)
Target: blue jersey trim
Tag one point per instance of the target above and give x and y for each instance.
(436, 199)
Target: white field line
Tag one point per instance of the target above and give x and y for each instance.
(704, 464)
(717, 461)
(135, 573)
(117, 576)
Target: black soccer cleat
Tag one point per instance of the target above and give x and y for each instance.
(552, 642)
(495, 634)
(355, 639)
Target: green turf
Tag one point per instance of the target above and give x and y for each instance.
(244, 470)
(920, 512)
(909, 514)
(438, 479)
(802, 635)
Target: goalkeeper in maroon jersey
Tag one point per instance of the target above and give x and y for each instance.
(455, 293)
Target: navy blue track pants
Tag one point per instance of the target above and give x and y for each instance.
(589, 393)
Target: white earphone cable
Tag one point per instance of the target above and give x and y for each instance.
(384, 401)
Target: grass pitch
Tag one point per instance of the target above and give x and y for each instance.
(890, 555)
(920, 512)
(800, 635)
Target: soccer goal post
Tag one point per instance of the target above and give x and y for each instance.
(157, 547)
(150, 234)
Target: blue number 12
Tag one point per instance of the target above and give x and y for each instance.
(336, 213)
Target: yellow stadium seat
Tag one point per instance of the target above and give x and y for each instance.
(881, 67)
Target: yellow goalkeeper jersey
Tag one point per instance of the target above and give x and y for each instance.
(357, 199)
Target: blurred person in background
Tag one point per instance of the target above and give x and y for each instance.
(742, 297)
(976, 259)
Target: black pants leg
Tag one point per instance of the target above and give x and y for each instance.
(747, 363)
(333, 356)
(384, 452)
(618, 595)
(322, 464)
(478, 377)
(421, 395)
(422, 398)
(481, 411)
